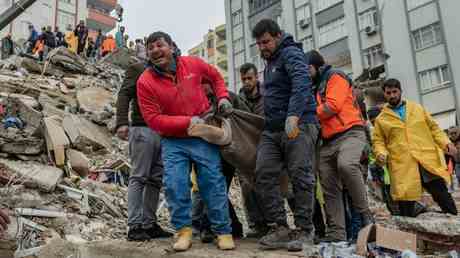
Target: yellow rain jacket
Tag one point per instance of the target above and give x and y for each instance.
(72, 41)
(417, 140)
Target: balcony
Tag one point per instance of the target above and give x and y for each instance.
(222, 46)
(222, 62)
(220, 31)
(108, 5)
(98, 20)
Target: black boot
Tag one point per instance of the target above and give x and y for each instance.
(207, 236)
(366, 219)
(138, 234)
(277, 238)
(157, 232)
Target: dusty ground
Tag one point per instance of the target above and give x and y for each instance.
(158, 248)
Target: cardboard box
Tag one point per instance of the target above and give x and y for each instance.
(384, 237)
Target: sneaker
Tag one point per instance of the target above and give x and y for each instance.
(277, 238)
(299, 239)
(137, 234)
(184, 240)
(225, 242)
(207, 236)
(157, 232)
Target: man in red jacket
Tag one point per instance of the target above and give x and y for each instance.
(172, 100)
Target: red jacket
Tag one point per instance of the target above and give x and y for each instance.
(168, 106)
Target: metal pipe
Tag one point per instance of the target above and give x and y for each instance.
(14, 11)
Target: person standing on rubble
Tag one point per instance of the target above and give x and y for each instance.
(344, 140)
(32, 39)
(71, 39)
(120, 37)
(145, 179)
(7, 46)
(250, 93)
(108, 46)
(81, 31)
(98, 44)
(172, 100)
(59, 38)
(288, 139)
(410, 141)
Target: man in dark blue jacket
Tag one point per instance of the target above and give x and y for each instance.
(289, 137)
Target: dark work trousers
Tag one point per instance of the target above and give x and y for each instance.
(145, 181)
(276, 152)
(438, 190)
(237, 228)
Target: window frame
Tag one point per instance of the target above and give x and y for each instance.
(439, 73)
(434, 30)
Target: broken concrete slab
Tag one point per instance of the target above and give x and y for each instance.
(431, 222)
(27, 100)
(121, 57)
(29, 116)
(94, 99)
(84, 135)
(27, 146)
(78, 161)
(56, 140)
(35, 174)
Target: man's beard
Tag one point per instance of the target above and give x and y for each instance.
(394, 102)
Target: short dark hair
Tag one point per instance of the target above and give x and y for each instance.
(266, 26)
(315, 58)
(391, 83)
(248, 67)
(158, 35)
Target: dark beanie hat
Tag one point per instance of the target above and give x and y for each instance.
(315, 58)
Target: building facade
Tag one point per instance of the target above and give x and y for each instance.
(213, 49)
(414, 41)
(99, 16)
(54, 13)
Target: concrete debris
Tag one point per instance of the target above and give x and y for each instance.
(78, 162)
(84, 135)
(34, 174)
(56, 140)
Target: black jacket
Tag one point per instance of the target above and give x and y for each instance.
(127, 95)
(287, 86)
(254, 103)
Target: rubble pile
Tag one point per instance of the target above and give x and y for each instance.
(57, 152)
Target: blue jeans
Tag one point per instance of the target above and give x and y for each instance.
(177, 156)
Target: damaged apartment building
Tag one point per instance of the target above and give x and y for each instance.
(414, 41)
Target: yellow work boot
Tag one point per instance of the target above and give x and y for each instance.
(184, 240)
(225, 242)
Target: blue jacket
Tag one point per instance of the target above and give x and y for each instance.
(288, 86)
(119, 39)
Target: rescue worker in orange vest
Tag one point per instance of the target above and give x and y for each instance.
(344, 139)
(109, 45)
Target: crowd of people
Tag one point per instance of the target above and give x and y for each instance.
(76, 40)
(316, 143)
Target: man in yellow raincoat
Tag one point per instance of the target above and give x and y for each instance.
(71, 39)
(410, 142)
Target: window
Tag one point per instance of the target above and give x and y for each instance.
(332, 31)
(235, 5)
(324, 4)
(238, 31)
(237, 18)
(373, 56)
(238, 45)
(210, 43)
(411, 4)
(427, 36)
(239, 60)
(307, 43)
(65, 19)
(302, 17)
(368, 19)
(435, 78)
(68, 1)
